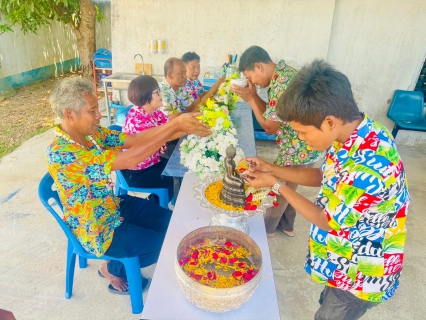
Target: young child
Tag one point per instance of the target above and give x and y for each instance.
(145, 95)
(356, 244)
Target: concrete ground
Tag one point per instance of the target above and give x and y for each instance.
(33, 250)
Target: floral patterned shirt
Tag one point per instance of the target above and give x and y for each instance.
(81, 176)
(174, 102)
(194, 89)
(365, 196)
(293, 150)
(138, 120)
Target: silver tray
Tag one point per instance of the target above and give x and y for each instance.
(200, 189)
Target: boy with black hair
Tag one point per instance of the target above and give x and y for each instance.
(259, 69)
(357, 236)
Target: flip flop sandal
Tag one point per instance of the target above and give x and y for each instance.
(100, 274)
(145, 285)
(115, 291)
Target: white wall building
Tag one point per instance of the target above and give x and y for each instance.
(380, 45)
(26, 58)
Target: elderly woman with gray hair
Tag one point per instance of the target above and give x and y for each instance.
(81, 158)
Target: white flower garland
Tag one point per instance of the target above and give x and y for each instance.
(205, 155)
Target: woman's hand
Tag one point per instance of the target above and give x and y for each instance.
(220, 80)
(257, 164)
(260, 180)
(204, 99)
(189, 124)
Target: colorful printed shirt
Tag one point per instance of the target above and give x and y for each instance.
(174, 102)
(365, 197)
(138, 120)
(81, 176)
(194, 89)
(293, 150)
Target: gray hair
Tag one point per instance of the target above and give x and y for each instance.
(69, 94)
(169, 64)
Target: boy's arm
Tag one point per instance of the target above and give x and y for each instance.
(311, 177)
(305, 207)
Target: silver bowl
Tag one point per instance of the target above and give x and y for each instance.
(218, 299)
(222, 217)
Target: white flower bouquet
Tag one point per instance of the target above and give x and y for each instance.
(205, 155)
(225, 96)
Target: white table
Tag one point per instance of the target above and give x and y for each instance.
(165, 299)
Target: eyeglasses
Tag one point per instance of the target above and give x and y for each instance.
(158, 93)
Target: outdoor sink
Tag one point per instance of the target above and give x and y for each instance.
(120, 81)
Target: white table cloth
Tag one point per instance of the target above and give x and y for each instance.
(166, 301)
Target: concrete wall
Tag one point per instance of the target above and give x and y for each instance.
(295, 30)
(21, 53)
(53, 50)
(103, 28)
(379, 45)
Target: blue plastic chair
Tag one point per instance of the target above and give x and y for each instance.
(46, 193)
(407, 111)
(116, 127)
(122, 187)
(259, 132)
(121, 113)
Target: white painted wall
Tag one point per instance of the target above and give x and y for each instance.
(295, 30)
(378, 45)
(53, 44)
(20, 53)
(103, 28)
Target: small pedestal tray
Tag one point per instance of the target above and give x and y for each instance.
(236, 219)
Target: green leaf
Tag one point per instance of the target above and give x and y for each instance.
(395, 243)
(99, 16)
(369, 267)
(352, 218)
(5, 28)
(340, 246)
(373, 296)
(352, 271)
(318, 249)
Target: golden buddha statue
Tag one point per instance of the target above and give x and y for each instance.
(233, 186)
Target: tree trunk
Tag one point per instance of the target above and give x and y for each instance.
(85, 34)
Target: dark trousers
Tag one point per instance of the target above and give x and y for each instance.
(150, 177)
(140, 234)
(337, 304)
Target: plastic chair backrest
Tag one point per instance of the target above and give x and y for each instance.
(406, 106)
(45, 193)
(116, 127)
